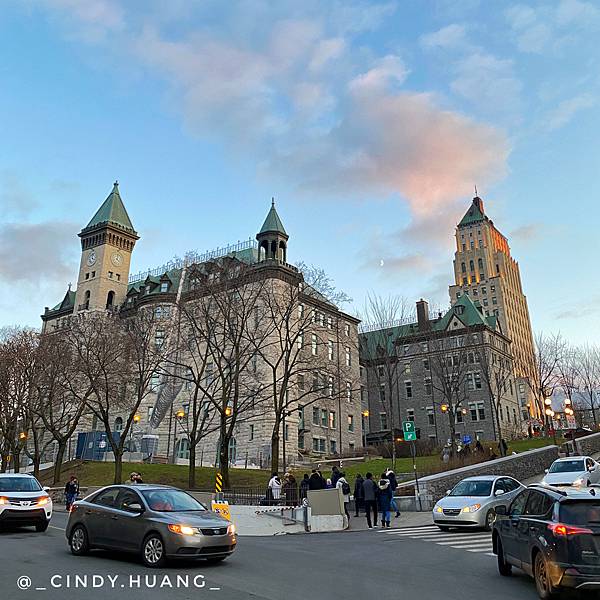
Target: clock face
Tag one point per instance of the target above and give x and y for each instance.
(91, 259)
(117, 259)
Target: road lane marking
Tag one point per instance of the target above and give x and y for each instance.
(54, 527)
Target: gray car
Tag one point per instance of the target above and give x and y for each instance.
(471, 503)
(156, 522)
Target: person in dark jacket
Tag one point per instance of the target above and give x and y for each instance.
(335, 475)
(385, 500)
(304, 487)
(71, 492)
(290, 490)
(358, 494)
(370, 493)
(391, 476)
(315, 481)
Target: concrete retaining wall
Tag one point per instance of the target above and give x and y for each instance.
(588, 445)
(520, 466)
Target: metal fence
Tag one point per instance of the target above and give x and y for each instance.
(258, 496)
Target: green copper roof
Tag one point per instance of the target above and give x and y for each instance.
(112, 211)
(474, 214)
(272, 222)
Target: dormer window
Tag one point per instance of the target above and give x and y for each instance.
(459, 310)
(164, 287)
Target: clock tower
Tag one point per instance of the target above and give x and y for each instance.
(107, 242)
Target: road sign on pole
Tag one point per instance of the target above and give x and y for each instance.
(408, 428)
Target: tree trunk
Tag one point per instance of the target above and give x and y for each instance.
(60, 454)
(17, 461)
(275, 450)
(192, 468)
(118, 465)
(224, 462)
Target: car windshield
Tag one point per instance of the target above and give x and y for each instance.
(19, 484)
(580, 513)
(472, 488)
(171, 501)
(567, 466)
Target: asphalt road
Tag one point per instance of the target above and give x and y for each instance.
(365, 564)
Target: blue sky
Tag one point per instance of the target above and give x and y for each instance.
(369, 122)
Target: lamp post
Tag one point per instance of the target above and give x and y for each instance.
(179, 415)
(550, 414)
(365, 417)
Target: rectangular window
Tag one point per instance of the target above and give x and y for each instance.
(381, 371)
(428, 386)
(330, 386)
(405, 349)
(348, 391)
(494, 300)
(492, 288)
(477, 379)
(459, 416)
(331, 419)
(332, 447)
(300, 340)
(318, 445)
(110, 274)
(408, 388)
(164, 287)
(410, 414)
(286, 433)
(348, 357)
(407, 368)
(347, 330)
(300, 311)
(324, 416)
(251, 432)
(350, 423)
(426, 364)
(301, 441)
(329, 323)
(87, 275)
(313, 344)
(330, 350)
(154, 381)
(382, 393)
(383, 421)
(159, 338)
(301, 382)
(425, 345)
(315, 415)
(481, 411)
(430, 415)
(473, 410)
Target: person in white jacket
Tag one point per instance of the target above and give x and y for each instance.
(275, 487)
(344, 488)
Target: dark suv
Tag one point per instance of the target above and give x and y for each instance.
(553, 534)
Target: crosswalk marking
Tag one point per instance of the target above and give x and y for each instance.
(471, 541)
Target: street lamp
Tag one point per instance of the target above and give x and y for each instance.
(365, 416)
(23, 436)
(180, 414)
(444, 408)
(228, 411)
(136, 418)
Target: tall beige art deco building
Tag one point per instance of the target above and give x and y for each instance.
(485, 270)
(319, 424)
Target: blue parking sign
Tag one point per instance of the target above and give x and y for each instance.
(466, 439)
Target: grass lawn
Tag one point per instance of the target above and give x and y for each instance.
(91, 473)
(530, 444)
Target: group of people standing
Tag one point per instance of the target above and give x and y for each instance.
(374, 495)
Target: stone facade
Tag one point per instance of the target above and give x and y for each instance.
(324, 420)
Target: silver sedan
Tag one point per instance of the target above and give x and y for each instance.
(472, 502)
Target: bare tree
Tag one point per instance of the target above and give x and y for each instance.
(497, 372)
(588, 359)
(380, 342)
(322, 283)
(569, 375)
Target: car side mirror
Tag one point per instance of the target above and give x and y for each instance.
(135, 507)
(546, 471)
(501, 510)
(499, 492)
(448, 492)
(46, 488)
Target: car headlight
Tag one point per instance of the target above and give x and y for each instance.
(43, 501)
(183, 529)
(3, 500)
(231, 528)
(438, 509)
(472, 508)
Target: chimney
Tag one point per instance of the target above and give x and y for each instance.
(478, 202)
(423, 315)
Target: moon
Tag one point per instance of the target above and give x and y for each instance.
(381, 263)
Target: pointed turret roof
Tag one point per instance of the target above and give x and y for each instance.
(112, 211)
(273, 223)
(474, 214)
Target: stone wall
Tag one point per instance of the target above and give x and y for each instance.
(520, 466)
(588, 445)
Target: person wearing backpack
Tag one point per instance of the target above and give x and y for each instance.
(344, 487)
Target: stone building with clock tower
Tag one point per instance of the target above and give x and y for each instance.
(107, 242)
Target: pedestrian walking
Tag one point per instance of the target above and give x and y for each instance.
(71, 492)
(385, 500)
(344, 487)
(304, 487)
(503, 447)
(478, 447)
(274, 489)
(335, 475)
(290, 490)
(370, 493)
(358, 494)
(391, 476)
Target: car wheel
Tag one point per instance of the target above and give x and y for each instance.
(542, 577)
(41, 527)
(442, 528)
(504, 568)
(79, 541)
(490, 517)
(215, 559)
(153, 551)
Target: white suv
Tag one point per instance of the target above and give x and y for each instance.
(23, 501)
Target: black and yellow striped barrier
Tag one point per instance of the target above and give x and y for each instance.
(218, 483)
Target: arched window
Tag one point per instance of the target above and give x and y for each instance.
(183, 448)
(119, 424)
(86, 299)
(273, 250)
(463, 267)
(471, 265)
(110, 299)
(232, 450)
(480, 263)
(282, 252)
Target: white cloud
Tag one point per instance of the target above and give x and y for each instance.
(575, 12)
(389, 70)
(567, 109)
(451, 36)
